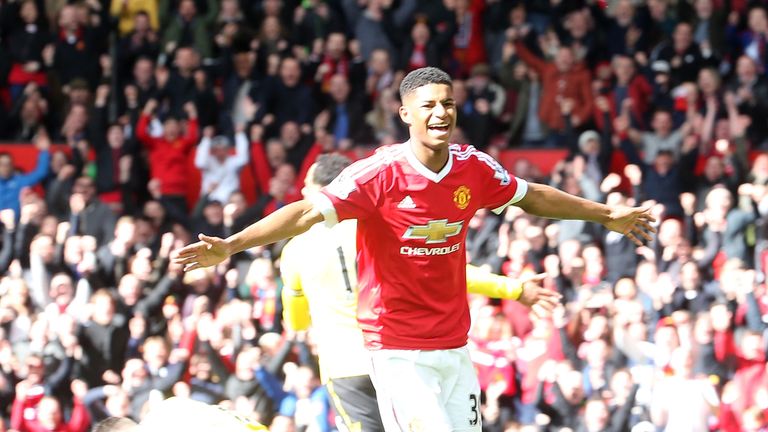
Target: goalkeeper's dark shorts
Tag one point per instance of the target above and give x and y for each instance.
(354, 399)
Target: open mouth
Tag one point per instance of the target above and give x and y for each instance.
(441, 128)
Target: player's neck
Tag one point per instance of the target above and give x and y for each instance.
(433, 159)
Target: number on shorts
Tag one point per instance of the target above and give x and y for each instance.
(475, 414)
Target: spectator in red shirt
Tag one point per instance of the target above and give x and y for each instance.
(420, 50)
(746, 384)
(168, 156)
(468, 42)
(48, 415)
(333, 61)
(562, 79)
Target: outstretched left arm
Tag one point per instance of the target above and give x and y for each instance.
(548, 202)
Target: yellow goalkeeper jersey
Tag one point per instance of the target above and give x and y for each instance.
(320, 279)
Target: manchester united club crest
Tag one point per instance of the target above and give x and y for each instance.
(461, 197)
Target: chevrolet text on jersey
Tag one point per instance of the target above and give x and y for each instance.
(411, 251)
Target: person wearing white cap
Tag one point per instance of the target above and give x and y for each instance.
(220, 170)
(596, 155)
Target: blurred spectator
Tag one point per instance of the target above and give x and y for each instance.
(315, 20)
(139, 34)
(368, 25)
(295, 144)
(468, 42)
(562, 81)
(26, 40)
(662, 180)
(384, 118)
(750, 90)
(188, 28)
(753, 39)
(523, 83)
(476, 120)
(623, 37)
(660, 21)
(307, 401)
(128, 11)
(629, 86)
(113, 156)
(12, 183)
(49, 414)
(28, 114)
(286, 98)
(683, 393)
(272, 36)
(221, 171)
(89, 215)
(76, 49)
(709, 28)
(381, 75)
(420, 50)
(663, 137)
(346, 122)
(241, 90)
(104, 340)
(168, 156)
(333, 61)
(684, 57)
(177, 86)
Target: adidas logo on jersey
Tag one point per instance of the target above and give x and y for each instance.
(407, 203)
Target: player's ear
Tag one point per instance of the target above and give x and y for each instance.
(405, 115)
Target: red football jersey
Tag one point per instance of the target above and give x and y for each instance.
(412, 223)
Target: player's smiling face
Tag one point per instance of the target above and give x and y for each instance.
(430, 113)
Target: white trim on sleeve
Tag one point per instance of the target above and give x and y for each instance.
(324, 205)
(522, 189)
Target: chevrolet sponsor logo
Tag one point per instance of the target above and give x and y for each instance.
(435, 231)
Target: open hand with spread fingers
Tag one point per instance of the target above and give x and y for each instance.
(540, 300)
(207, 252)
(633, 222)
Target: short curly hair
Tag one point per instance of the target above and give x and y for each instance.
(421, 77)
(328, 167)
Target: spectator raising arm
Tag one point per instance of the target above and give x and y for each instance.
(43, 144)
(242, 145)
(141, 127)
(203, 153)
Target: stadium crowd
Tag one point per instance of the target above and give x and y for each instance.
(659, 102)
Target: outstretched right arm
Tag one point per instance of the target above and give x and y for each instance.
(289, 221)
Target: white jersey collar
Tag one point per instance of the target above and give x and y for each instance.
(410, 156)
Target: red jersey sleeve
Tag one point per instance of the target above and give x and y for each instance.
(500, 189)
(351, 195)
